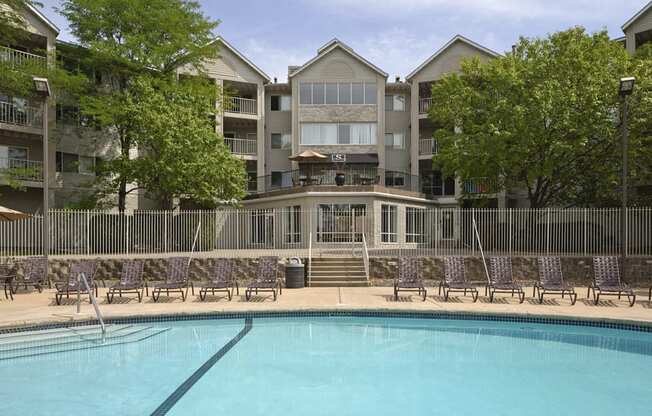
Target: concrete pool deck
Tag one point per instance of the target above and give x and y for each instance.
(34, 308)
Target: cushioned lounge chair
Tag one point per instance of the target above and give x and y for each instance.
(408, 279)
(221, 279)
(7, 276)
(501, 279)
(131, 281)
(455, 278)
(551, 280)
(176, 279)
(606, 280)
(266, 278)
(88, 268)
(35, 274)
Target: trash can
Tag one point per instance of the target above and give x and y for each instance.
(294, 274)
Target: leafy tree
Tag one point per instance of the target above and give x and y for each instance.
(542, 119)
(128, 38)
(12, 24)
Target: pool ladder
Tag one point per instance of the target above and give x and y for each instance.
(82, 278)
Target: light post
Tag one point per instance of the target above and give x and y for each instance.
(626, 88)
(42, 89)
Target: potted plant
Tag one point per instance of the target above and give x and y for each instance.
(340, 178)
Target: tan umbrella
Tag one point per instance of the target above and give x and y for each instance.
(308, 156)
(7, 214)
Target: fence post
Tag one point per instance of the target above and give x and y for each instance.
(127, 233)
(626, 234)
(88, 232)
(586, 232)
(165, 230)
(547, 231)
(511, 233)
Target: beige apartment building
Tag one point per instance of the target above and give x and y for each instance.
(371, 129)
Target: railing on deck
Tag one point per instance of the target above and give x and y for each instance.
(242, 106)
(424, 105)
(365, 256)
(478, 186)
(11, 113)
(242, 146)
(428, 146)
(20, 58)
(22, 169)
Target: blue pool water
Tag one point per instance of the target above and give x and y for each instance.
(347, 366)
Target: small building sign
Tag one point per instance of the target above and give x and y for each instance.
(338, 157)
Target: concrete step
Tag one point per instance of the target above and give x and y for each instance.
(338, 277)
(339, 283)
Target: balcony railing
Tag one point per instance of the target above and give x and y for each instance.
(478, 186)
(428, 146)
(241, 106)
(22, 169)
(424, 105)
(242, 146)
(20, 115)
(20, 58)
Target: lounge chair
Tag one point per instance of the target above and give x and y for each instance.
(455, 279)
(266, 278)
(7, 276)
(131, 281)
(35, 274)
(408, 279)
(88, 268)
(606, 280)
(552, 280)
(501, 279)
(220, 280)
(176, 280)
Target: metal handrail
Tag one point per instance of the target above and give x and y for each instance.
(310, 259)
(82, 278)
(365, 256)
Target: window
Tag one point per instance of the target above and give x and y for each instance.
(388, 215)
(305, 93)
(67, 114)
(357, 93)
(331, 93)
(345, 93)
(334, 133)
(394, 102)
(277, 179)
(341, 223)
(12, 157)
(67, 162)
(370, 93)
(281, 141)
(262, 227)
(318, 93)
(281, 103)
(293, 224)
(641, 38)
(395, 140)
(396, 179)
(414, 225)
(87, 165)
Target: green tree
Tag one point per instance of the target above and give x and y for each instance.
(542, 119)
(128, 38)
(12, 23)
(640, 126)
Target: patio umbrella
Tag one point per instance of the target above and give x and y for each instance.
(308, 156)
(7, 214)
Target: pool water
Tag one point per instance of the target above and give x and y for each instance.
(339, 365)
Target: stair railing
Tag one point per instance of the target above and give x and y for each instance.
(365, 257)
(310, 259)
(82, 278)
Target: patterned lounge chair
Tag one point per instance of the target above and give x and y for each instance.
(131, 281)
(408, 279)
(176, 280)
(221, 279)
(552, 280)
(88, 268)
(606, 280)
(7, 276)
(501, 279)
(266, 278)
(35, 274)
(455, 278)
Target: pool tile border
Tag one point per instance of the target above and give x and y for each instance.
(447, 315)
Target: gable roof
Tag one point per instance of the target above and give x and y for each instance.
(331, 46)
(241, 56)
(457, 38)
(636, 16)
(43, 18)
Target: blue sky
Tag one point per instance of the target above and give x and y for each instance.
(395, 35)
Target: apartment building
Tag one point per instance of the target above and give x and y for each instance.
(371, 131)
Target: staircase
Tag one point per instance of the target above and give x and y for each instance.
(338, 271)
(32, 343)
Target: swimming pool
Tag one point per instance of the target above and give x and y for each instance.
(320, 365)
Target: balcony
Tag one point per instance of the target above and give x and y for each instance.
(424, 105)
(21, 169)
(21, 115)
(239, 146)
(239, 105)
(428, 147)
(480, 186)
(18, 58)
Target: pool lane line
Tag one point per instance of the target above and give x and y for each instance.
(173, 398)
